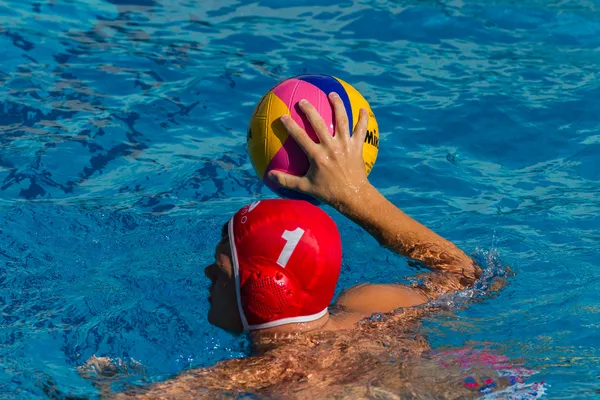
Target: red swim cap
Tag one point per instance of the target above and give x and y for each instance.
(287, 256)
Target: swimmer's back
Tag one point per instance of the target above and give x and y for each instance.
(381, 359)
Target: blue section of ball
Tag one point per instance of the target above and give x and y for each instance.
(329, 84)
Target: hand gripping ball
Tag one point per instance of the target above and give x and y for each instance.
(271, 148)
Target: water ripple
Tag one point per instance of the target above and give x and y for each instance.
(122, 133)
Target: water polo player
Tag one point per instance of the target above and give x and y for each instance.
(275, 271)
(277, 265)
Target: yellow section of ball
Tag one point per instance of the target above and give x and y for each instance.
(266, 133)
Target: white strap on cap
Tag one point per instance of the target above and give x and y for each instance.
(236, 274)
(291, 320)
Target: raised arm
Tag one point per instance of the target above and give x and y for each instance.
(397, 231)
(337, 176)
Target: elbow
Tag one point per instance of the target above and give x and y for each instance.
(477, 271)
(470, 274)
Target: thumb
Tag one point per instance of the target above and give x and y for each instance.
(286, 180)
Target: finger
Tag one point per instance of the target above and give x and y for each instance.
(341, 116)
(289, 181)
(360, 130)
(316, 121)
(299, 135)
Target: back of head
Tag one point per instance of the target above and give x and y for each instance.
(287, 259)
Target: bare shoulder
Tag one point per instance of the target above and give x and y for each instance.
(366, 299)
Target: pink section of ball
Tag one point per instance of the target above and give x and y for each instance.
(294, 90)
(290, 158)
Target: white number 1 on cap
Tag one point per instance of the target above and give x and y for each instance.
(292, 238)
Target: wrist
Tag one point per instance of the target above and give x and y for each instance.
(356, 200)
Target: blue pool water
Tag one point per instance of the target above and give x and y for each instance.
(122, 134)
